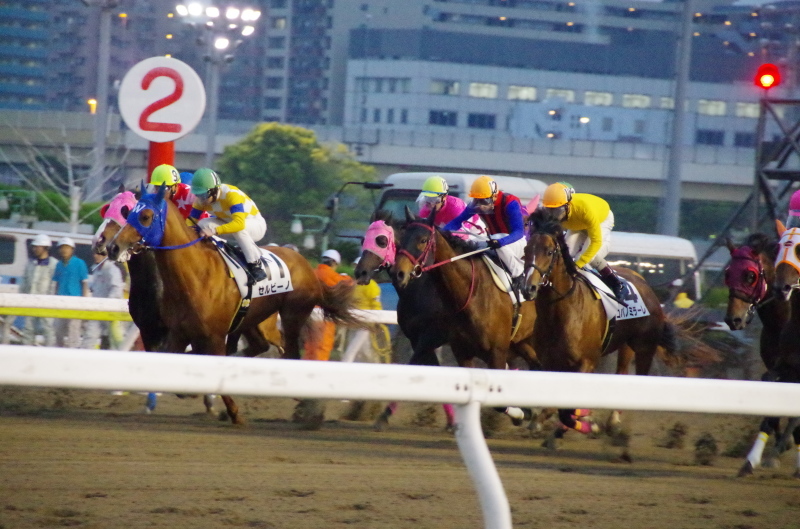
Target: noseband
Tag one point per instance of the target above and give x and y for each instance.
(544, 275)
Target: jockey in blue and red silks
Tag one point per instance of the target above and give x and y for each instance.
(434, 197)
(503, 215)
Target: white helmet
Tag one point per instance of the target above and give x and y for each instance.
(66, 241)
(333, 255)
(41, 240)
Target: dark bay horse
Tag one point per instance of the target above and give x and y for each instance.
(200, 299)
(572, 329)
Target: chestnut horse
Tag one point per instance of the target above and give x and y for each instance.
(572, 326)
(200, 299)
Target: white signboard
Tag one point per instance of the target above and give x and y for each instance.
(161, 99)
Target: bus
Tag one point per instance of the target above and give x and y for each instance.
(15, 252)
(660, 259)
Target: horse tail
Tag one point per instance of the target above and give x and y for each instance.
(681, 342)
(337, 302)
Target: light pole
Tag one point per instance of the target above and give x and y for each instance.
(223, 27)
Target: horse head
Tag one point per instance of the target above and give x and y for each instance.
(787, 264)
(377, 251)
(145, 227)
(545, 247)
(748, 278)
(416, 248)
(115, 215)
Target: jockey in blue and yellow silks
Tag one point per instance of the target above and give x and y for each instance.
(235, 216)
(587, 218)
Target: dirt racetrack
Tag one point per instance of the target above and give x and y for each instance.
(90, 459)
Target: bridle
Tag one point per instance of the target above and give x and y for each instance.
(545, 275)
(427, 255)
(754, 295)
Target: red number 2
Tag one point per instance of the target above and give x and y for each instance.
(144, 121)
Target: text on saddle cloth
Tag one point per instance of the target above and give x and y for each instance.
(636, 307)
(278, 281)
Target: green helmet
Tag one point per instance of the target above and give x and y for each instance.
(165, 174)
(435, 186)
(203, 180)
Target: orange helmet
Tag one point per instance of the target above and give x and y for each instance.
(556, 195)
(483, 187)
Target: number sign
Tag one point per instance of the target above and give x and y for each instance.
(161, 99)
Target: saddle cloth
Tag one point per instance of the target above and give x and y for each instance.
(278, 280)
(501, 278)
(636, 307)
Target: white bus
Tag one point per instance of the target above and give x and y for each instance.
(15, 251)
(659, 258)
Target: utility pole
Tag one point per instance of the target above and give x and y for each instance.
(669, 213)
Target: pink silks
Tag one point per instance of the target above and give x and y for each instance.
(375, 230)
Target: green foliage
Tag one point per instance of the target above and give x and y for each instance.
(47, 206)
(285, 170)
(716, 297)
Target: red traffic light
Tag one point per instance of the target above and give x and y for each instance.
(767, 76)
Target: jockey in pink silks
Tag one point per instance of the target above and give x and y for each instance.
(434, 196)
(793, 220)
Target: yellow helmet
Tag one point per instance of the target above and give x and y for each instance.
(556, 195)
(165, 174)
(483, 187)
(435, 186)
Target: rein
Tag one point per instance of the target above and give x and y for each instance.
(545, 275)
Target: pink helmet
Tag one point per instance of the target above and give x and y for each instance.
(794, 204)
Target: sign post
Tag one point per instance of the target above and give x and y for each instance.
(161, 99)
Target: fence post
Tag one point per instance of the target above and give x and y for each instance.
(471, 443)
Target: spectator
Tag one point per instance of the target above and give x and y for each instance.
(72, 279)
(105, 282)
(321, 334)
(366, 297)
(39, 280)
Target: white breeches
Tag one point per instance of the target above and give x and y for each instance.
(512, 255)
(578, 241)
(255, 227)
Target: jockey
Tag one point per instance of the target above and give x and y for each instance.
(586, 217)
(793, 220)
(434, 197)
(235, 216)
(503, 215)
(178, 191)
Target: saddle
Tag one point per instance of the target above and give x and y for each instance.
(634, 305)
(278, 279)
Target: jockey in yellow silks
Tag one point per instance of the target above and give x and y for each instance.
(235, 216)
(588, 220)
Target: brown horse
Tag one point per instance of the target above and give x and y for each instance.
(573, 331)
(200, 299)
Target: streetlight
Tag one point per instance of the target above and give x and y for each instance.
(222, 27)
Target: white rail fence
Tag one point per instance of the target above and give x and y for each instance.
(468, 389)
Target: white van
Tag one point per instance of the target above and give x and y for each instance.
(15, 251)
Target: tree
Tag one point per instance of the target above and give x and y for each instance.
(285, 170)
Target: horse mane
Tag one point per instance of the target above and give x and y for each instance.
(458, 244)
(542, 223)
(762, 243)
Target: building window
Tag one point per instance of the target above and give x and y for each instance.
(524, 93)
(363, 116)
(274, 82)
(744, 139)
(747, 110)
(276, 43)
(486, 90)
(274, 62)
(376, 115)
(443, 87)
(404, 115)
(639, 126)
(272, 103)
(667, 102)
(445, 118)
(710, 137)
(635, 101)
(390, 115)
(598, 99)
(566, 95)
(711, 108)
(278, 22)
(481, 121)
(608, 124)
(277, 4)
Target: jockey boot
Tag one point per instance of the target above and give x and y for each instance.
(256, 271)
(613, 281)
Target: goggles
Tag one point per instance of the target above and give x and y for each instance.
(483, 202)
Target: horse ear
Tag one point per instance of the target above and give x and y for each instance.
(431, 216)
(142, 187)
(780, 227)
(410, 216)
(729, 244)
(121, 188)
(162, 191)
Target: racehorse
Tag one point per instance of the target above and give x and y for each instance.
(786, 365)
(573, 331)
(200, 300)
(146, 291)
(482, 317)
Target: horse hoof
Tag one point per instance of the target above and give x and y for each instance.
(381, 423)
(625, 457)
(746, 470)
(549, 443)
(223, 416)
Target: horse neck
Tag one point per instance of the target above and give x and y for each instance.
(560, 278)
(455, 275)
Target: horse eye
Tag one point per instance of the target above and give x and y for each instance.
(382, 241)
(750, 277)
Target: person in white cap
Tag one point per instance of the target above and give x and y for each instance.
(321, 334)
(38, 279)
(72, 279)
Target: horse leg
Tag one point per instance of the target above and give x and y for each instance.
(217, 346)
(292, 321)
(768, 427)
